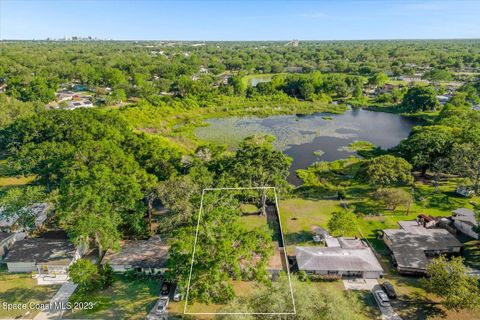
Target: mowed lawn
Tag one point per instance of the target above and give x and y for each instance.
(21, 288)
(8, 178)
(125, 299)
(300, 217)
(250, 217)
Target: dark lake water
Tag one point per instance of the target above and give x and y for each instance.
(311, 138)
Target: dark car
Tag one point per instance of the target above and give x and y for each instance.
(165, 289)
(388, 287)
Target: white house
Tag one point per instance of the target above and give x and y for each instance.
(49, 258)
(148, 256)
(350, 258)
(465, 222)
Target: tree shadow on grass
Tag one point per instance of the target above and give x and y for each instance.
(415, 306)
(298, 237)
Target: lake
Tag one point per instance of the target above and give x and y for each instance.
(311, 138)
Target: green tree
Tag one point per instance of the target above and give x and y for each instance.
(394, 197)
(379, 79)
(343, 223)
(85, 274)
(257, 164)
(466, 162)
(225, 250)
(449, 280)
(436, 75)
(387, 170)
(427, 145)
(311, 302)
(418, 99)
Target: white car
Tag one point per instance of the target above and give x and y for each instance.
(382, 298)
(177, 295)
(159, 309)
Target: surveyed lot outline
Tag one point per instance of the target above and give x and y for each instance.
(284, 252)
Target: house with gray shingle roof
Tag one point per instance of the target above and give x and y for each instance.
(413, 246)
(350, 259)
(465, 221)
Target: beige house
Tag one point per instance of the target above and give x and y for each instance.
(148, 256)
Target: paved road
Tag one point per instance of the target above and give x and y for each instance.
(387, 312)
(60, 298)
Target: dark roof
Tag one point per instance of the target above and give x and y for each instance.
(41, 250)
(5, 235)
(139, 253)
(410, 243)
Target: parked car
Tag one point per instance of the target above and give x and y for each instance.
(381, 298)
(159, 309)
(389, 289)
(165, 289)
(177, 295)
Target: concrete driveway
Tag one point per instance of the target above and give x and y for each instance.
(57, 303)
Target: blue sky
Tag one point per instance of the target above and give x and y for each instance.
(240, 20)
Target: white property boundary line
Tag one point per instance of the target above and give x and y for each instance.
(284, 252)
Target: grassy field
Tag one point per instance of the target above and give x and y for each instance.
(250, 218)
(8, 177)
(300, 216)
(21, 288)
(125, 299)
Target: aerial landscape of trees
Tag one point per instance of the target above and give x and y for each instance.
(132, 167)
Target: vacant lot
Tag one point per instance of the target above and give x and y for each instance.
(125, 299)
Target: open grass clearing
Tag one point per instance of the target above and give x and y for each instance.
(125, 299)
(21, 288)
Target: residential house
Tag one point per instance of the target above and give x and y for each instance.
(49, 258)
(413, 245)
(7, 239)
(345, 257)
(464, 220)
(148, 256)
(75, 104)
(11, 223)
(65, 95)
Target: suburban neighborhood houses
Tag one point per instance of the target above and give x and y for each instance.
(239, 160)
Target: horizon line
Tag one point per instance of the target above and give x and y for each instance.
(84, 38)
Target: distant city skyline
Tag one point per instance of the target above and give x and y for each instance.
(239, 20)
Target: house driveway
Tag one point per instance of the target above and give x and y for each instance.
(57, 303)
(360, 284)
(387, 312)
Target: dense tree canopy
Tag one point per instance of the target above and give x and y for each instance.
(419, 99)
